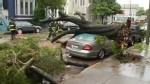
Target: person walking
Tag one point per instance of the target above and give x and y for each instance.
(12, 28)
(52, 31)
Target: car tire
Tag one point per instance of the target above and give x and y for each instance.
(37, 30)
(101, 54)
(19, 31)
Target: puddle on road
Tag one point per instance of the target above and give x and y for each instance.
(140, 70)
(136, 71)
(72, 71)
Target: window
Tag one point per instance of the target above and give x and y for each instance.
(82, 2)
(31, 8)
(26, 7)
(75, 1)
(21, 6)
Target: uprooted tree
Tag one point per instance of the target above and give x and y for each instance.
(122, 32)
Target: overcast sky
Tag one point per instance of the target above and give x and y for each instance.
(142, 3)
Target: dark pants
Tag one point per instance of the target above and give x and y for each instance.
(13, 34)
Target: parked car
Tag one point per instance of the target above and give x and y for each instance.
(137, 33)
(144, 27)
(85, 45)
(24, 26)
(69, 26)
(3, 24)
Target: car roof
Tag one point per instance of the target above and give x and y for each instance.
(69, 23)
(22, 21)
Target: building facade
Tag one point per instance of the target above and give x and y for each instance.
(82, 6)
(130, 9)
(20, 9)
(1, 6)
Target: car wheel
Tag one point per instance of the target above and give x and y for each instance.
(19, 31)
(101, 54)
(37, 30)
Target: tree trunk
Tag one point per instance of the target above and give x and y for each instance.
(111, 31)
(43, 74)
(102, 17)
(27, 65)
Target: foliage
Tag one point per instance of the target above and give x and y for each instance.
(51, 61)
(117, 51)
(52, 4)
(104, 8)
(127, 57)
(14, 55)
(140, 12)
(140, 46)
(100, 39)
(98, 21)
(147, 12)
(39, 13)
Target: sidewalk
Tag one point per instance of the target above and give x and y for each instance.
(112, 71)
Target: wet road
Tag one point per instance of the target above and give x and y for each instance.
(110, 71)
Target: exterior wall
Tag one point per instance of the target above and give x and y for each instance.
(130, 9)
(1, 6)
(21, 9)
(11, 9)
(82, 6)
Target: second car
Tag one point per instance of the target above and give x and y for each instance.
(24, 26)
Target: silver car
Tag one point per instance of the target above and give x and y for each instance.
(85, 45)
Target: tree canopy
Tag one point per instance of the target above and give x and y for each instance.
(105, 8)
(51, 4)
(140, 12)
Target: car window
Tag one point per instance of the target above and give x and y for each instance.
(1, 21)
(133, 28)
(23, 23)
(26, 24)
(18, 23)
(85, 37)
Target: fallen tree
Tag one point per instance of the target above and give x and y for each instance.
(115, 32)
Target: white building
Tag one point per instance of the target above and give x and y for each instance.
(82, 6)
(130, 9)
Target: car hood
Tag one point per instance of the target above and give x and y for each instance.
(36, 26)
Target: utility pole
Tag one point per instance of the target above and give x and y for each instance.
(148, 26)
(130, 9)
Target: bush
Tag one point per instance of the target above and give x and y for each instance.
(13, 56)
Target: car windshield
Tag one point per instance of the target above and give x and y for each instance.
(86, 37)
(23, 24)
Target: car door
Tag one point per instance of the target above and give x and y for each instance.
(3, 25)
(27, 27)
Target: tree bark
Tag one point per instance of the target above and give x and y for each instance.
(111, 31)
(81, 15)
(43, 74)
(28, 64)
